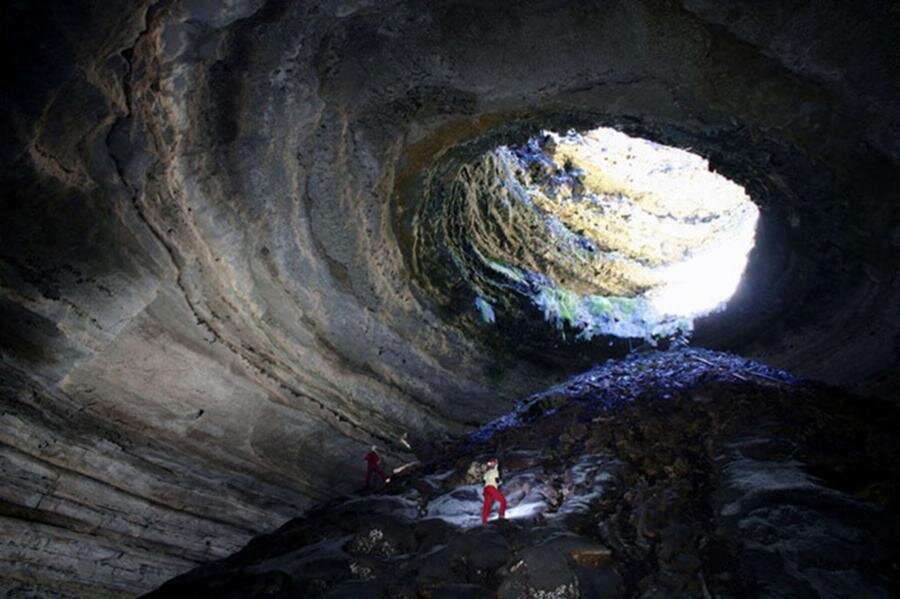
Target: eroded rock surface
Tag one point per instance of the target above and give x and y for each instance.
(207, 312)
(720, 487)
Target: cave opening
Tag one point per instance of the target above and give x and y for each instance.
(587, 235)
(244, 242)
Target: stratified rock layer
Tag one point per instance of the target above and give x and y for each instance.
(207, 309)
(598, 234)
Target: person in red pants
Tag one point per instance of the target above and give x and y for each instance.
(492, 491)
(373, 461)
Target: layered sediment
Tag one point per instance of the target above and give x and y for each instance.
(209, 308)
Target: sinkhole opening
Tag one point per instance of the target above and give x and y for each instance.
(600, 232)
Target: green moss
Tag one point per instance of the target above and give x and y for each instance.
(512, 273)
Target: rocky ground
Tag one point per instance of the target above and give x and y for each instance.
(684, 473)
(210, 303)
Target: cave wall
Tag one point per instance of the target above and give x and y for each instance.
(206, 310)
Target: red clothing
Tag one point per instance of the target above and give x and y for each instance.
(372, 459)
(492, 494)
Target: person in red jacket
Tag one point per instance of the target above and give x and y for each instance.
(492, 491)
(373, 461)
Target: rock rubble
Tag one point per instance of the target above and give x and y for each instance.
(725, 488)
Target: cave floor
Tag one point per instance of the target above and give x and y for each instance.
(667, 474)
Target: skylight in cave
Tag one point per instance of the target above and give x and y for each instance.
(610, 234)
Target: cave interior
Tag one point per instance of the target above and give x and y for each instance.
(645, 252)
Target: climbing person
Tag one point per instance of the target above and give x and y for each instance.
(492, 491)
(373, 461)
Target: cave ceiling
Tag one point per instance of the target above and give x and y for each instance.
(211, 304)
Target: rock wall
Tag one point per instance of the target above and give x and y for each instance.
(207, 310)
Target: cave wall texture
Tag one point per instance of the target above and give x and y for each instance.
(207, 312)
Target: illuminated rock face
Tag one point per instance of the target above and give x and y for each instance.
(209, 303)
(607, 234)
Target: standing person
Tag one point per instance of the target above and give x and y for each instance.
(492, 491)
(373, 461)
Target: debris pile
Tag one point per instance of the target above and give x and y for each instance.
(662, 475)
